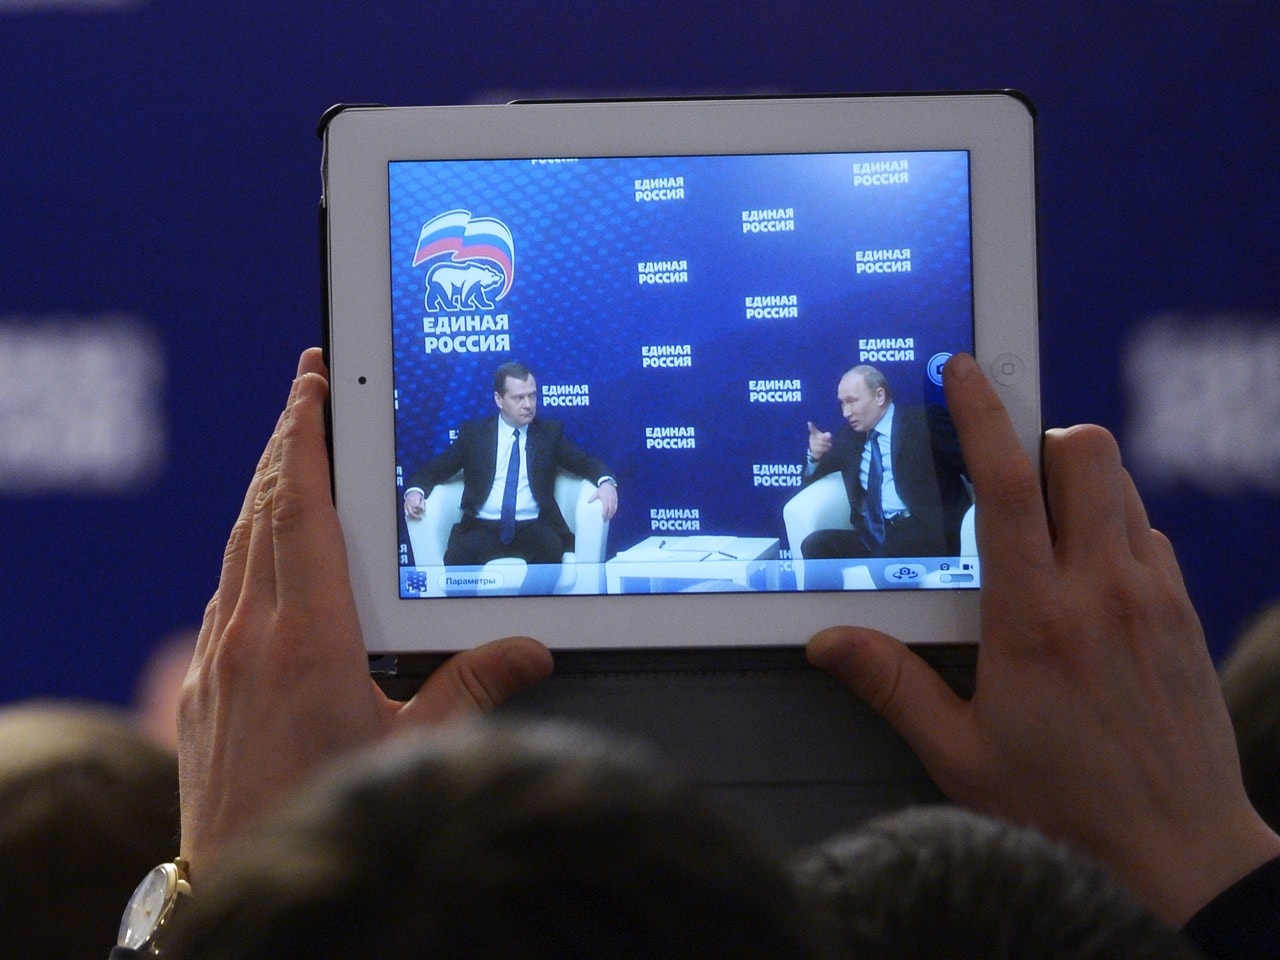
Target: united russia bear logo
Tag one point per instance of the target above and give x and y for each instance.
(471, 261)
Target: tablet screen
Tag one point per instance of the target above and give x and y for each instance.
(723, 355)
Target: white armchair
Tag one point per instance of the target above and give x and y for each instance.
(582, 570)
(968, 533)
(823, 505)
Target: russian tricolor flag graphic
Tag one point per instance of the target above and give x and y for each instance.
(461, 237)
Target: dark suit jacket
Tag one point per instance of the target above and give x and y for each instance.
(475, 454)
(927, 471)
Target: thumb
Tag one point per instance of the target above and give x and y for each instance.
(813, 430)
(899, 686)
(479, 680)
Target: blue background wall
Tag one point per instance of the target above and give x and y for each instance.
(578, 314)
(158, 185)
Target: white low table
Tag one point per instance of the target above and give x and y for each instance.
(731, 561)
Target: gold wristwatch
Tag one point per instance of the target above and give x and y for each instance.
(152, 906)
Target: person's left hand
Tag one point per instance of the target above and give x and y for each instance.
(279, 684)
(607, 494)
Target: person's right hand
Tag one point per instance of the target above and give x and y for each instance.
(1097, 714)
(819, 442)
(279, 684)
(415, 504)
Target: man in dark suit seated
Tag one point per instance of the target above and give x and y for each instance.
(906, 491)
(509, 465)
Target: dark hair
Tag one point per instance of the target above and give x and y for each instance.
(87, 806)
(1251, 686)
(497, 842)
(936, 883)
(513, 369)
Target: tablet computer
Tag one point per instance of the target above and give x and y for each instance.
(702, 339)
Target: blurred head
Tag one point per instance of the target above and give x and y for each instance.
(1251, 686)
(864, 397)
(87, 806)
(155, 695)
(940, 883)
(494, 841)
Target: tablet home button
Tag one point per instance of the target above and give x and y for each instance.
(1007, 368)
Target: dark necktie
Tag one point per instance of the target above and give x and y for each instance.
(873, 502)
(507, 521)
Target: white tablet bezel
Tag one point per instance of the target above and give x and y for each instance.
(996, 129)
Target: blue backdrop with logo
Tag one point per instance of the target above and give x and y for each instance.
(646, 310)
(158, 278)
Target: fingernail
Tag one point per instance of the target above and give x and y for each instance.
(824, 641)
(960, 367)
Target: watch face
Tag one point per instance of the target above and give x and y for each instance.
(148, 906)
